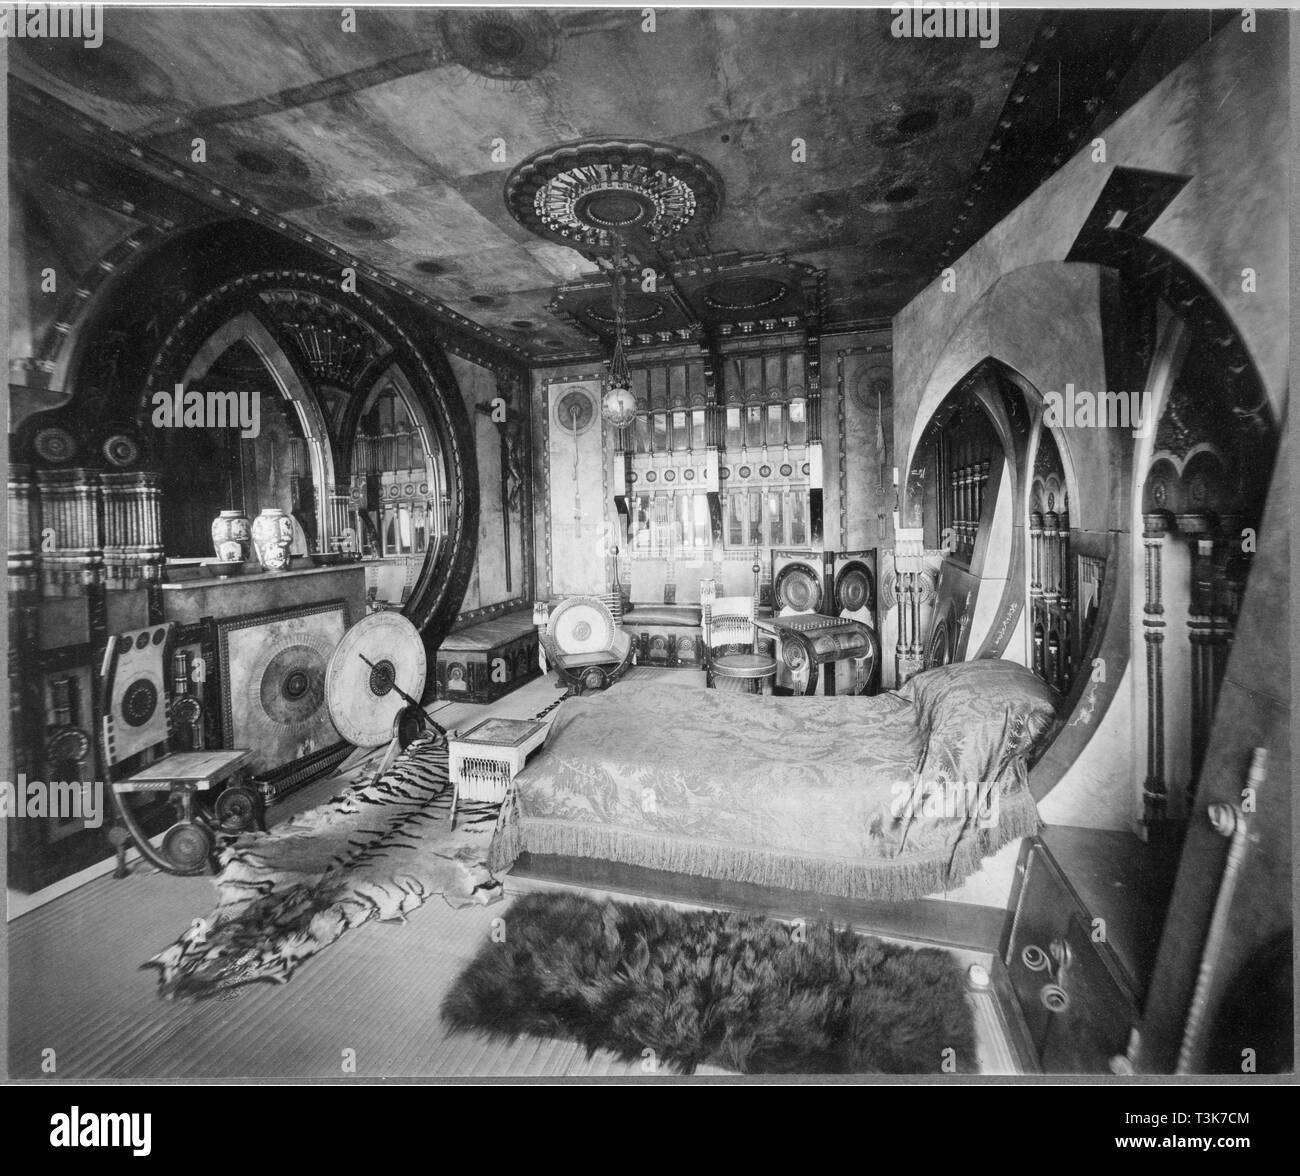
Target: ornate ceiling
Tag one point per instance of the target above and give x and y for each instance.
(771, 165)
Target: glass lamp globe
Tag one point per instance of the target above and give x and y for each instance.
(619, 406)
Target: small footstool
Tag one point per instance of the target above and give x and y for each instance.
(485, 759)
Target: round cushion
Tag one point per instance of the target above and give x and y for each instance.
(743, 665)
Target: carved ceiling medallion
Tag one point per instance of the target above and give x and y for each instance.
(745, 293)
(589, 194)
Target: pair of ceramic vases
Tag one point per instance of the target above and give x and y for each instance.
(271, 536)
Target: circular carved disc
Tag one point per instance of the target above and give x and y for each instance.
(853, 586)
(363, 703)
(293, 683)
(581, 624)
(575, 411)
(139, 701)
(798, 587)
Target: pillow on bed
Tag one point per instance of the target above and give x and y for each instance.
(976, 717)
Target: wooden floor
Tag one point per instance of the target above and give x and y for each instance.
(82, 1007)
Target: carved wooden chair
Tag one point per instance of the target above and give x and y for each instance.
(733, 659)
(584, 643)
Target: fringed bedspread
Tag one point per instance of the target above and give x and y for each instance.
(853, 796)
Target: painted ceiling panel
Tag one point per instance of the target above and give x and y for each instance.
(380, 141)
(449, 118)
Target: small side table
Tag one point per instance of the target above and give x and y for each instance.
(485, 759)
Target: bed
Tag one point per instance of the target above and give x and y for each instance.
(889, 797)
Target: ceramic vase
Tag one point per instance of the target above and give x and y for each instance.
(272, 537)
(230, 536)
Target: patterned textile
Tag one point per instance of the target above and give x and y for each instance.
(833, 795)
(375, 852)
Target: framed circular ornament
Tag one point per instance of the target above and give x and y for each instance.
(575, 411)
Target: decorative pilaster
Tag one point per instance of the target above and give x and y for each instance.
(133, 553)
(1156, 526)
(909, 564)
(24, 530)
(72, 556)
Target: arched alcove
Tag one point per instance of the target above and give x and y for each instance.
(236, 290)
(328, 353)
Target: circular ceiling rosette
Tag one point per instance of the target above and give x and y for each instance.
(590, 194)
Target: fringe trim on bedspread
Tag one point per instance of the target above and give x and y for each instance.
(910, 876)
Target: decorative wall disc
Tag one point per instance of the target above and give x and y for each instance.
(54, 445)
(853, 586)
(292, 686)
(121, 450)
(575, 411)
(588, 194)
(798, 587)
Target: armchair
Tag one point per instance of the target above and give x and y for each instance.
(583, 640)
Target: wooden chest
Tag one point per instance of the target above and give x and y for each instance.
(486, 661)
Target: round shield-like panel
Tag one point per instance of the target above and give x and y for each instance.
(377, 657)
(582, 624)
(854, 586)
(797, 587)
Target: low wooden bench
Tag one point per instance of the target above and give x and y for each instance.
(666, 634)
(484, 661)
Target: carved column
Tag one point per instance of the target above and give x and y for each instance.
(1156, 526)
(1200, 628)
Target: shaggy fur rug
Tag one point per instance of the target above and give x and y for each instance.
(744, 993)
(377, 851)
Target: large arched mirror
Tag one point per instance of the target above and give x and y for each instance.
(247, 435)
(396, 515)
(961, 489)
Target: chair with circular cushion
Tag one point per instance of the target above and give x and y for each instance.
(585, 644)
(734, 659)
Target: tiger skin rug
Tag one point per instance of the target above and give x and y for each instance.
(376, 851)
